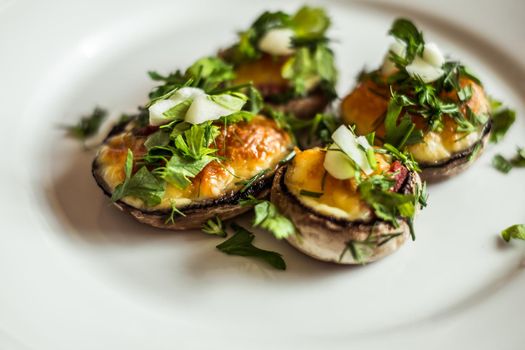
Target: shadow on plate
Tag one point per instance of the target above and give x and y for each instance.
(89, 217)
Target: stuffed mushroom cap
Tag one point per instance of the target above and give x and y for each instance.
(334, 222)
(288, 59)
(420, 100)
(440, 154)
(248, 153)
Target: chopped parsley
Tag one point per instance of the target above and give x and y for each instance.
(241, 244)
(88, 125)
(207, 73)
(514, 232)
(431, 102)
(387, 205)
(268, 217)
(142, 185)
(214, 227)
(505, 165)
(311, 64)
(174, 212)
(502, 120)
(362, 250)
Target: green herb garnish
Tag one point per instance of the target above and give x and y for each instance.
(505, 165)
(214, 227)
(502, 120)
(206, 73)
(514, 232)
(88, 125)
(361, 250)
(387, 205)
(241, 244)
(174, 211)
(143, 185)
(268, 217)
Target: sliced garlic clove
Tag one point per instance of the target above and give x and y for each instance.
(337, 164)
(347, 141)
(424, 70)
(388, 68)
(433, 55)
(203, 109)
(156, 111)
(277, 42)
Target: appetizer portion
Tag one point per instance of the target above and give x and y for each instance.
(197, 149)
(351, 202)
(420, 101)
(288, 59)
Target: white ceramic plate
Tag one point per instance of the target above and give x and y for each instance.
(78, 274)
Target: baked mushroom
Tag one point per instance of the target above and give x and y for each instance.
(288, 59)
(419, 101)
(191, 156)
(350, 203)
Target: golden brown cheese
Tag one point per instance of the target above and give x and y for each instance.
(367, 104)
(340, 198)
(248, 148)
(265, 71)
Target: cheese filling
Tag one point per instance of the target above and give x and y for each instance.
(339, 198)
(366, 106)
(247, 147)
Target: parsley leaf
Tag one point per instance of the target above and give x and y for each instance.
(179, 169)
(502, 120)
(310, 22)
(268, 217)
(387, 205)
(514, 232)
(142, 185)
(174, 211)
(214, 227)
(499, 162)
(505, 165)
(206, 73)
(241, 244)
(195, 141)
(400, 133)
(404, 30)
(88, 125)
(361, 250)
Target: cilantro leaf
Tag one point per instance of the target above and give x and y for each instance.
(142, 185)
(88, 125)
(241, 244)
(514, 232)
(502, 120)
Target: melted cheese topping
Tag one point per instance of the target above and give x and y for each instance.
(266, 74)
(367, 104)
(247, 148)
(264, 71)
(340, 198)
